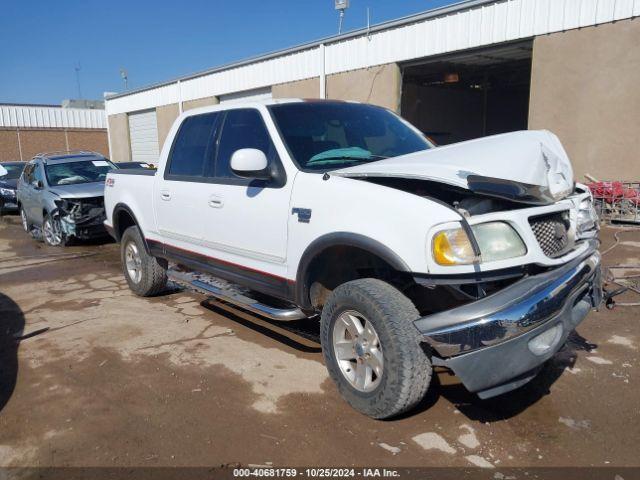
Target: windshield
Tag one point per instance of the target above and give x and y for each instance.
(72, 173)
(325, 136)
(13, 171)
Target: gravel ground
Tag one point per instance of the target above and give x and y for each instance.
(117, 380)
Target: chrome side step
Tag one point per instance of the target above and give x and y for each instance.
(238, 299)
(250, 304)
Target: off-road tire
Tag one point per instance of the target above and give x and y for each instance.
(407, 368)
(153, 278)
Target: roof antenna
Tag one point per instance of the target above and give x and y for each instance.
(341, 6)
(368, 24)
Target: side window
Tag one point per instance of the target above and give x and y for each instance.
(192, 149)
(242, 128)
(37, 174)
(27, 174)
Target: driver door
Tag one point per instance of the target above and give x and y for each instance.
(246, 220)
(36, 204)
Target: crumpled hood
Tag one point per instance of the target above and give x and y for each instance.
(526, 166)
(81, 190)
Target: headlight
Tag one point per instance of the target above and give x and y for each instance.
(498, 241)
(587, 217)
(7, 191)
(452, 247)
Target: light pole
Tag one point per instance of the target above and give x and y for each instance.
(341, 6)
(77, 69)
(125, 78)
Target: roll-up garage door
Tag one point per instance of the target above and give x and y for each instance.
(247, 96)
(143, 132)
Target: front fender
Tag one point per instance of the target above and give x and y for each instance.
(343, 239)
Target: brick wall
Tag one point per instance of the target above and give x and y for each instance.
(23, 144)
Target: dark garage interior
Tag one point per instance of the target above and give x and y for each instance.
(471, 95)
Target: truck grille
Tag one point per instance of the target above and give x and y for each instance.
(552, 232)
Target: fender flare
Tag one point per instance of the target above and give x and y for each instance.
(122, 207)
(341, 239)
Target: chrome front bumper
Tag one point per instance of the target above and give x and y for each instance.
(487, 342)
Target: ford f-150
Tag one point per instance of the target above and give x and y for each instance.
(480, 256)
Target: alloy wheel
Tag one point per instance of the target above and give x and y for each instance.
(357, 350)
(52, 232)
(133, 262)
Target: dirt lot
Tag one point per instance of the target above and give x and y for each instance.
(118, 380)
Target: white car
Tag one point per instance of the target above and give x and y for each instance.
(479, 256)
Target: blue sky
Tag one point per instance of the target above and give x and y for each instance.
(41, 41)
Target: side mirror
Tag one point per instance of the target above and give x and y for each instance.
(39, 185)
(250, 163)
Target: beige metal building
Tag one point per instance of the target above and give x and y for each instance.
(26, 130)
(472, 69)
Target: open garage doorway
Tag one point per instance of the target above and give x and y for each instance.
(469, 95)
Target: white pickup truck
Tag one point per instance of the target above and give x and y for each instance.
(479, 256)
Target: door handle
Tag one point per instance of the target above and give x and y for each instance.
(165, 195)
(215, 202)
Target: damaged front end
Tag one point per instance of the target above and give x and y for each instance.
(81, 218)
(507, 282)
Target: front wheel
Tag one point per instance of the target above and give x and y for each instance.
(52, 231)
(372, 350)
(145, 274)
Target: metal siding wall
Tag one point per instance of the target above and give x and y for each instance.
(50, 117)
(487, 24)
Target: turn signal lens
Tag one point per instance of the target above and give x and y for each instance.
(452, 247)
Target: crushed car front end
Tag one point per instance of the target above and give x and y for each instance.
(81, 218)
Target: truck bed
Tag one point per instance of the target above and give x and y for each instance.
(134, 171)
(121, 188)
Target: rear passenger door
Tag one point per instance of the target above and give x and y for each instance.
(181, 194)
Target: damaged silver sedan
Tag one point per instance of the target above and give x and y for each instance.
(61, 196)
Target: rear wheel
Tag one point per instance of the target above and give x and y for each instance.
(145, 274)
(52, 231)
(372, 350)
